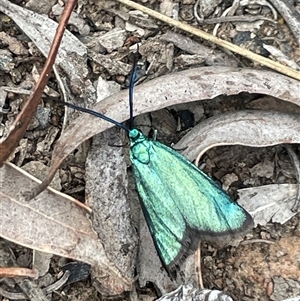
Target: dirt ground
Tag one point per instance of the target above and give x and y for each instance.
(264, 265)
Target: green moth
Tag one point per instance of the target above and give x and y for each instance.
(181, 204)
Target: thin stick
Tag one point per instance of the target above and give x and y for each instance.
(13, 272)
(131, 86)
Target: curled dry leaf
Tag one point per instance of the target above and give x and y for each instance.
(54, 223)
(251, 128)
(181, 87)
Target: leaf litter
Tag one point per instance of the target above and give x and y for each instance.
(54, 223)
(257, 81)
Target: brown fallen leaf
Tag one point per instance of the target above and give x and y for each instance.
(181, 87)
(54, 223)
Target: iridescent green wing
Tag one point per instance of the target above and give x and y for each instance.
(203, 204)
(180, 201)
(165, 222)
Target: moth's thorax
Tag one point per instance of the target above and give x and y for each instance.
(139, 147)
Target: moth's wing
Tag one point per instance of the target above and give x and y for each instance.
(204, 206)
(165, 222)
(179, 200)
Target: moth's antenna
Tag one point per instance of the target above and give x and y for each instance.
(97, 114)
(131, 85)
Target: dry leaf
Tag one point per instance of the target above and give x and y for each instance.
(54, 223)
(251, 128)
(106, 194)
(269, 202)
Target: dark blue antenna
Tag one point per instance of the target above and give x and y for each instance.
(97, 114)
(131, 85)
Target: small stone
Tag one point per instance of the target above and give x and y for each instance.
(113, 39)
(41, 7)
(6, 60)
(263, 169)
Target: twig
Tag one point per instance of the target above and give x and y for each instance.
(49, 289)
(65, 96)
(59, 283)
(12, 272)
(235, 19)
(198, 265)
(12, 296)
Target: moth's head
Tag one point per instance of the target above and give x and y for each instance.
(136, 136)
